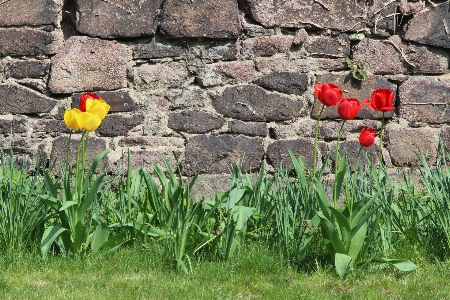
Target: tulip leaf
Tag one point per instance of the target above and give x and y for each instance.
(341, 262)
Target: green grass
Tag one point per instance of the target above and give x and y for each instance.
(255, 274)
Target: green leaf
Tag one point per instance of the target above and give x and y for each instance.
(234, 197)
(67, 204)
(49, 236)
(344, 225)
(87, 201)
(332, 233)
(404, 265)
(101, 235)
(50, 185)
(357, 242)
(339, 177)
(322, 198)
(341, 262)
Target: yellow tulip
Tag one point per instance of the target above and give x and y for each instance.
(71, 118)
(97, 107)
(89, 121)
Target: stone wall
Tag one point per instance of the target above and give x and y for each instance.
(208, 82)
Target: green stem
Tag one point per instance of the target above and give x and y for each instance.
(381, 141)
(316, 138)
(336, 165)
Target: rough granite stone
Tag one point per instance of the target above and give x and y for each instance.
(248, 128)
(187, 98)
(382, 16)
(118, 101)
(30, 12)
(232, 72)
(338, 15)
(59, 150)
(29, 42)
(50, 126)
(118, 125)
(112, 19)
(159, 49)
(16, 99)
(26, 68)
(427, 60)
(14, 124)
(194, 121)
(300, 36)
(253, 103)
(268, 45)
(161, 76)
(89, 64)
(405, 144)
(206, 186)
(201, 18)
(351, 149)
(354, 89)
(445, 137)
(430, 27)
(217, 154)
(277, 152)
(425, 99)
(286, 82)
(145, 159)
(334, 46)
(410, 8)
(152, 141)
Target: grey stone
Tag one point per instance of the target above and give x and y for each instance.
(29, 42)
(430, 27)
(194, 121)
(268, 45)
(146, 158)
(30, 12)
(15, 99)
(427, 60)
(382, 16)
(406, 144)
(252, 103)
(286, 82)
(410, 8)
(118, 125)
(88, 64)
(200, 18)
(161, 76)
(187, 98)
(14, 124)
(334, 46)
(159, 50)
(445, 138)
(351, 149)
(26, 68)
(338, 15)
(112, 19)
(118, 101)
(51, 126)
(425, 99)
(354, 89)
(248, 128)
(152, 141)
(254, 31)
(217, 154)
(277, 152)
(300, 36)
(206, 186)
(232, 72)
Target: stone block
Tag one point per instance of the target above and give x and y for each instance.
(201, 18)
(351, 149)
(154, 142)
(187, 98)
(50, 126)
(354, 89)
(430, 26)
(14, 124)
(268, 45)
(30, 12)
(119, 101)
(334, 46)
(277, 152)
(117, 19)
(26, 68)
(16, 99)
(425, 99)
(161, 76)
(119, 125)
(29, 42)
(253, 103)
(89, 64)
(232, 72)
(217, 154)
(159, 49)
(248, 128)
(206, 186)
(382, 16)
(286, 82)
(194, 121)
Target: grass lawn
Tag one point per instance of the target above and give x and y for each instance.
(255, 274)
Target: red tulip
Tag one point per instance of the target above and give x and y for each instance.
(86, 96)
(367, 137)
(328, 94)
(349, 108)
(381, 100)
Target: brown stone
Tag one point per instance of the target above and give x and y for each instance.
(187, 98)
(252, 103)
(15, 99)
(277, 152)
(427, 60)
(161, 76)
(300, 36)
(217, 154)
(194, 121)
(255, 30)
(201, 18)
(232, 72)
(334, 46)
(248, 128)
(406, 144)
(445, 138)
(207, 186)
(59, 150)
(119, 101)
(87, 64)
(410, 8)
(26, 68)
(30, 12)
(382, 15)
(216, 50)
(118, 125)
(109, 19)
(430, 27)
(286, 82)
(14, 124)
(339, 15)
(351, 149)
(152, 141)
(354, 89)
(28, 42)
(274, 64)
(51, 126)
(268, 45)
(159, 49)
(425, 99)
(146, 158)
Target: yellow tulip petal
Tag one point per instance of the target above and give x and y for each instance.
(99, 108)
(71, 118)
(89, 121)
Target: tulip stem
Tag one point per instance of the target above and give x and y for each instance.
(336, 165)
(316, 138)
(381, 140)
